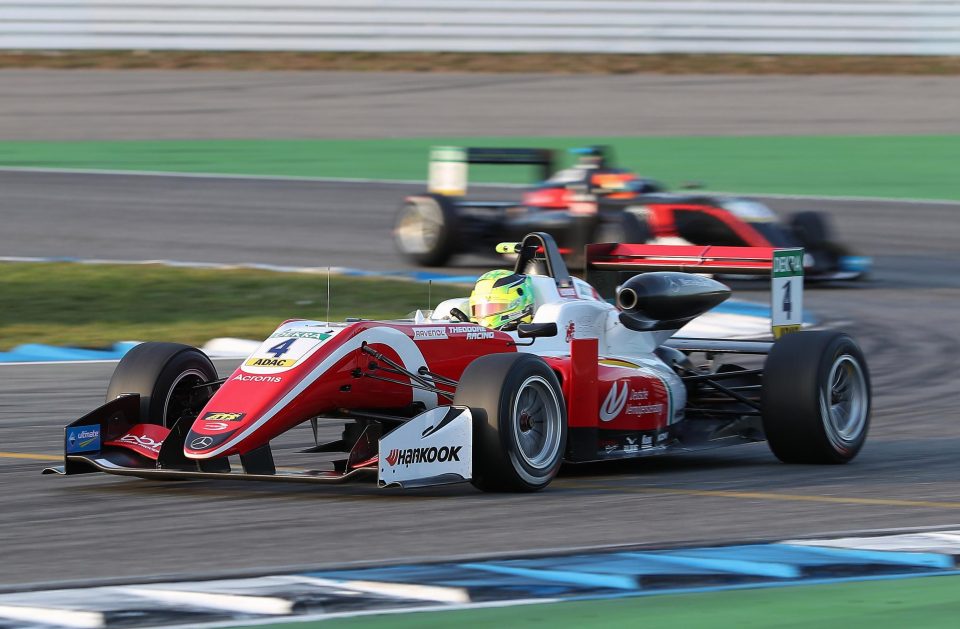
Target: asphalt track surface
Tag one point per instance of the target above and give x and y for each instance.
(82, 105)
(96, 526)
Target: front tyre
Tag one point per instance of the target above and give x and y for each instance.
(166, 376)
(816, 398)
(520, 421)
(425, 229)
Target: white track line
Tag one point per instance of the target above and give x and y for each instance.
(238, 603)
(53, 616)
(370, 612)
(396, 590)
(160, 173)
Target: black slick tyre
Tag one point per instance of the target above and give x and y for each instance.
(816, 398)
(811, 229)
(627, 226)
(165, 375)
(520, 421)
(425, 229)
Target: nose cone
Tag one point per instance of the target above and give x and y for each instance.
(211, 431)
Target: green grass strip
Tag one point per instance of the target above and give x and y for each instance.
(931, 602)
(96, 305)
(874, 166)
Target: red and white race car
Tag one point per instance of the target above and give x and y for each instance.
(439, 399)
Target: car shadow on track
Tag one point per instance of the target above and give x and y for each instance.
(883, 469)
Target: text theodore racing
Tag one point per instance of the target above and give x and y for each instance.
(440, 399)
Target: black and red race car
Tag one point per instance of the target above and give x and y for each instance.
(593, 201)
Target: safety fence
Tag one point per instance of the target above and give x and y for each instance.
(875, 27)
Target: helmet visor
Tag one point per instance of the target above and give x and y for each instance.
(486, 309)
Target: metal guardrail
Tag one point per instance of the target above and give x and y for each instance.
(869, 27)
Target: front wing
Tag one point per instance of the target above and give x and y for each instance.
(433, 448)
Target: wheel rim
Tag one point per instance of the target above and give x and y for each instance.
(418, 229)
(843, 402)
(536, 422)
(183, 396)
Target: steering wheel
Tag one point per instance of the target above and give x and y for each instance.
(459, 315)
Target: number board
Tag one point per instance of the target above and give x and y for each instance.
(286, 348)
(786, 291)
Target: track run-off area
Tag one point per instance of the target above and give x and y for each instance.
(95, 527)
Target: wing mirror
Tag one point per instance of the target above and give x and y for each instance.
(536, 330)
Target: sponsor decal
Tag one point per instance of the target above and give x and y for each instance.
(433, 454)
(678, 283)
(434, 444)
(461, 329)
(286, 348)
(568, 292)
(646, 441)
(248, 378)
(215, 426)
(788, 263)
(642, 409)
(584, 290)
(571, 331)
(201, 442)
(270, 362)
(473, 332)
(83, 439)
(301, 334)
(143, 441)
(662, 436)
(216, 416)
(614, 402)
(429, 334)
(631, 445)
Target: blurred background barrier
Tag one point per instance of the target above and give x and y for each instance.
(874, 27)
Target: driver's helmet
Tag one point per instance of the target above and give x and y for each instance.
(501, 300)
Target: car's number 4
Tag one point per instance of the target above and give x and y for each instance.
(281, 348)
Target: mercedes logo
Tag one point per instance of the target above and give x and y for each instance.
(201, 442)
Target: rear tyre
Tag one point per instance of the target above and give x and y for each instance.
(816, 398)
(626, 227)
(811, 229)
(520, 421)
(165, 375)
(425, 229)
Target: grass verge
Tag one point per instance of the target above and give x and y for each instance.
(872, 166)
(553, 63)
(920, 602)
(96, 305)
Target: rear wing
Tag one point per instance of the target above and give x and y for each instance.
(448, 165)
(608, 265)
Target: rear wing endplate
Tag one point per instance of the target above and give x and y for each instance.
(608, 265)
(448, 164)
